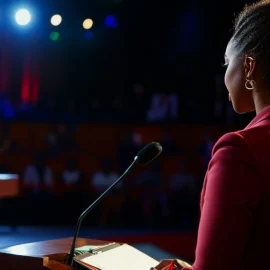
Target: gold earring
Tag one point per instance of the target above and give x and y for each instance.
(250, 84)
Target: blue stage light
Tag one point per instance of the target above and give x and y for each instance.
(111, 21)
(89, 34)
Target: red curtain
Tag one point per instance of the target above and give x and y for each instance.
(30, 80)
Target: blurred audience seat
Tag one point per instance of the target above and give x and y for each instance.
(98, 140)
(16, 162)
(150, 133)
(23, 134)
(41, 132)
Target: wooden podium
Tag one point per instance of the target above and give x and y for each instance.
(42, 255)
(9, 185)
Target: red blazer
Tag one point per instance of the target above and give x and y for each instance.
(234, 230)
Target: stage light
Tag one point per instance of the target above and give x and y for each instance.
(89, 34)
(111, 21)
(88, 24)
(56, 20)
(23, 17)
(54, 36)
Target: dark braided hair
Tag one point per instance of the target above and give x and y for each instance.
(252, 35)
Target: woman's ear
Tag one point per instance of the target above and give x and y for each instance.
(249, 66)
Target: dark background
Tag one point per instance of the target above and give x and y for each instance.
(167, 46)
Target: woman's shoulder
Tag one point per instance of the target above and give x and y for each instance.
(253, 140)
(234, 139)
(249, 145)
(234, 146)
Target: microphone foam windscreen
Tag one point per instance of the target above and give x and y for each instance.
(149, 153)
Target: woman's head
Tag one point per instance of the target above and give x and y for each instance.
(247, 56)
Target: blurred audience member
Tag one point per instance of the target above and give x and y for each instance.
(60, 139)
(182, 180)
(71, 175)
(72, 179)
(52, 140)
(112, 203)
(163, 107)
(169, 146)
(129, 149)
(38, 175)
(102, 179)
(154, 197)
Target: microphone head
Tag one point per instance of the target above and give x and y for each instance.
(148, 153)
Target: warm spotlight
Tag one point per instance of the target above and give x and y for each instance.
(56, 20)
(88, 24)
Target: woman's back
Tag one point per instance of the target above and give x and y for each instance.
(257, 138)
(234, 228)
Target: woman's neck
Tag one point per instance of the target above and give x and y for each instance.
(261, 100)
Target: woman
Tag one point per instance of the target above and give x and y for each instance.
(234, 230)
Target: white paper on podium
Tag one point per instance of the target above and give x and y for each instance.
(121, 258)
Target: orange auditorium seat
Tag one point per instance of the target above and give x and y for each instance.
(41, 132)
(23, 135)
(88, 164)
(150, 133)
(187, 138)
(170, 165)
(16, 162)
(56, 164)
(98, 140)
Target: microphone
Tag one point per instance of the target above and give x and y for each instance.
(148, 153)
(144, 156)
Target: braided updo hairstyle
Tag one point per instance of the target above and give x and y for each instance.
(251, 35)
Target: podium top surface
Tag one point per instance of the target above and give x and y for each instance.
(51, 247)
(7, 176)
